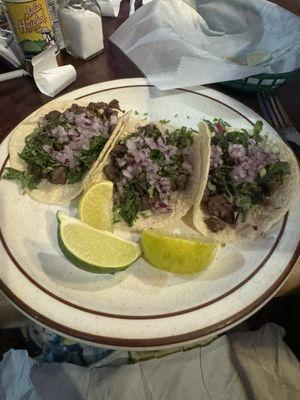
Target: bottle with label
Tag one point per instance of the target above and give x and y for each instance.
(32, 25)
(81, 27)
(53, 9)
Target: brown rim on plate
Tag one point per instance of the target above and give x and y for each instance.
(169, 340)
(161, 341)
(178, 89)
(145, 317)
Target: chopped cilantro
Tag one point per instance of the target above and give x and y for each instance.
(152, 132)
(275, 174)
(216, 121)
(210, 125)
(87, 157)
(238, 137)
(75, 175)
(164, 121)
(116, 216)
(27, 181)
(157, 156)
(243, 203)
(130, 205)
(181, 138)
(257, 130)
(33, 152)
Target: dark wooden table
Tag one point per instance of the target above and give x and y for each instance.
(19, 97)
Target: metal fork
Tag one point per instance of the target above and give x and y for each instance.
(275, 114)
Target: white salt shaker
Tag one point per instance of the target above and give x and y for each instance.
(81, 27)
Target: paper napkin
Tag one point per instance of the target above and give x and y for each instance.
(49, 77)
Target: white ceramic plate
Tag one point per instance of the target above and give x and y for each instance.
(142, 307)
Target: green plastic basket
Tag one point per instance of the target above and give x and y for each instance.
(262, 82)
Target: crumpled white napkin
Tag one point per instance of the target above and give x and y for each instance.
(238, 366)
(49, 77)
(176, 44)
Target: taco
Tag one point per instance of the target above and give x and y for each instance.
(250, 182)
(155, 171)
(52, 150)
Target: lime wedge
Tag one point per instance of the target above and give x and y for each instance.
(177, 254)
(95, 206)
(93, 250)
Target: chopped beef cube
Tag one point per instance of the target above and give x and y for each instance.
(219, 206)
(114, 104)
(77, 109)
(118, 151)
(148, 202)
(36, 171)
(108, 112)
(215, 224)
(112, 173)
(97, 109)
(97, 106)
(58, 175)
(53, 115)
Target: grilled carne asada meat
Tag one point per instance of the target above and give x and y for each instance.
(219, 206)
